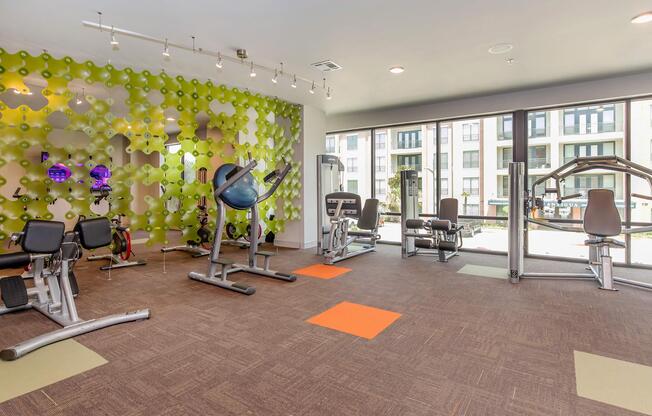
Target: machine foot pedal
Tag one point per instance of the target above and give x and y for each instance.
(14, 291)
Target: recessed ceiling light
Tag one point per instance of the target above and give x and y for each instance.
(510, 61)
(643, 18)
(501, 48)
(396, 69)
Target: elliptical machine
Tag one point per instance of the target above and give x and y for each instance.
(235, 186)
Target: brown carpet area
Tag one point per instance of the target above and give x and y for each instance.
(464, 345)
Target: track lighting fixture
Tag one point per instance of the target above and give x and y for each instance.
(240, 56)
(328, 94)
(114, 41)
(166, 49)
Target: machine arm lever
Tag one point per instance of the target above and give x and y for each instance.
(276, 184)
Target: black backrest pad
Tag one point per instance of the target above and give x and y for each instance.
(601, 217)
(351, 207)
(42, 236)
(369, 218)
(448, 210)
(94, 233)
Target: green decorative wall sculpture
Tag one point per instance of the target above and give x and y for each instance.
(24, 129)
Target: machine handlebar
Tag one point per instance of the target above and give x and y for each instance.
(277, 182)
(234, 176)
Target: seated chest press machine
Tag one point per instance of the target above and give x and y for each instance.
(51, 256)
(601, 221)
(441, 236)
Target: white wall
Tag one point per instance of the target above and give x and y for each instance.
(303, 233)
(604, 89)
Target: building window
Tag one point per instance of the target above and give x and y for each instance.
(505, 130)
(381, 141)
(471, 159)
(381, 188)
(381, 164)
(330, 144)
(352, 164)
(352, 186)
(504, 157)
(503, 187)
(409, 139)
(537, 157)
(471, 209)
(587, 120)
(471, 186)
(444, 132)
(582, 183)
(443, 161)
(409, 162)
(444, 187)
(536, 124)
(571, 151)
(352, 142)
(471, 132)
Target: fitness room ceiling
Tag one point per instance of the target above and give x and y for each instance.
(326, 208)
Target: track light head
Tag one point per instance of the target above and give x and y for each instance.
(328, 94)
(275, 78)
(114, 41)
(166, 49)
(294, 81)
(252, 72)
(219, 64)
(312, 89)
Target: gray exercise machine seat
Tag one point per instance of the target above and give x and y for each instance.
(601, 217)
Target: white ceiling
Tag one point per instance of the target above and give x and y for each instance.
(442, 44)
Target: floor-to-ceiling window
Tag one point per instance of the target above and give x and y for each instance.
(474, 154)
(556, 137)
(354, 151)
(641, 152)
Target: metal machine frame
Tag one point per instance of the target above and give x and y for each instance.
(424, 237)
(522, 202)
(52, 295)
(220, 278)
(335, 242)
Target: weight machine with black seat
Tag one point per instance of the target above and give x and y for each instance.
(51, 255)
(236, 187)
(440, 236)
(601, 221)
(336, 210)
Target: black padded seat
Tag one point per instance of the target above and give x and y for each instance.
(44, 237)
(94, 233)
(601, 217)
(14, 260)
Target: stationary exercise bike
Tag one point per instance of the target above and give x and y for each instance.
(121, 250)
(236, 187)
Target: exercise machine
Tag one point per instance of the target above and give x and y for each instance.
(121, 249)
(601, 221)
(440, 236)
(342, 242)
(51, 256)
(329, 180)
(201, 245)
(336, 211)
(235, 186)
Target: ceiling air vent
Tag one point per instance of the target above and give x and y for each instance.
(326, 66)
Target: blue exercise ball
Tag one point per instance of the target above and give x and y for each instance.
(242, 194)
